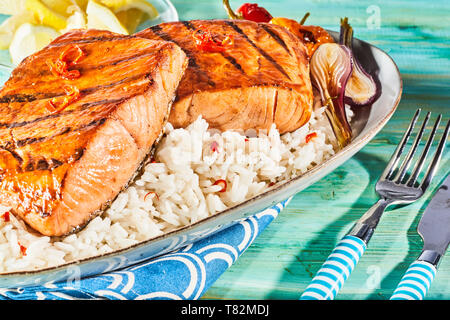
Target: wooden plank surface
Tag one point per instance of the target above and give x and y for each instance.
(284, 258)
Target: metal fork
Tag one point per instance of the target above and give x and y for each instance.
(393, 187)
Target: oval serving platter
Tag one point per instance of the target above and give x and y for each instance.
(366, 123)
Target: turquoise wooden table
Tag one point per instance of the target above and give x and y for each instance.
(285, 257)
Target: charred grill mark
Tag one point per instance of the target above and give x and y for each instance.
(121, 81)
(84, 106)
(90, 40)
(78, 154)
(28, 141)
(24, 123)
(261, 51)
(42, 165)
(88, 105)
(276, 37)
(230, 59)
(42, 96)
(55, 163)
(9, 146)
(29, 166)
(93, 123)
(10, 98)
(119, 61)
(46, 72)
(17, 98)
(160, 33)
(188, 25)
(233, 62)
(13, 153)
(192, 61)
(16, 156)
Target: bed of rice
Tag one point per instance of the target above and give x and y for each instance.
(176, 189)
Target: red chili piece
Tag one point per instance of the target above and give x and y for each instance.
(310, 136)
(223, 183)
(69, 57)
(151, 192)
(214, 146)
(23, 249)
(204, 41)
(57, 105)
(72, 55)
(5, 217)
(59, 69)
(253, 12)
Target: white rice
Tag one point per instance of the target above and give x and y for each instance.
(180, 190)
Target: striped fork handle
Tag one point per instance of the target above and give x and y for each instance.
(338, 267)
(416, 282)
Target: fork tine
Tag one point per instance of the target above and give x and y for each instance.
(418, 167)
(398, 151)
(437, 157)
(407, 161)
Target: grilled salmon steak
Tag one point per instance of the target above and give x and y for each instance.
(77, 121)
(241, 74)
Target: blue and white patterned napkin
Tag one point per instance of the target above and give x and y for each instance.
(185, 274)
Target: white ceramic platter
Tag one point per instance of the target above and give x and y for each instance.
(367, 123)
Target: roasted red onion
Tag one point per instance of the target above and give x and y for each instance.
(340, 80)
(361, 89)
(331, 68)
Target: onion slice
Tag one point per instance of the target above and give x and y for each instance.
(331, 68)
(361, 89)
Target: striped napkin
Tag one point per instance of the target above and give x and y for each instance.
(185, 274)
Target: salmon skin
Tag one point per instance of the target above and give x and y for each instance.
(60, 169)
(260, 79)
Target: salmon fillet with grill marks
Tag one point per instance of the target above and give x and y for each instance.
(261, 79)
(60, 169)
